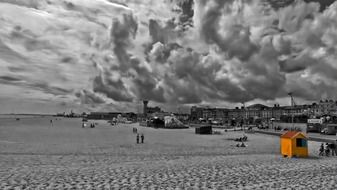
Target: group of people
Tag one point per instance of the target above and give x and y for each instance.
(328, 148)
(241, 145)
(135, 130)
(141, 138)
(242, 140)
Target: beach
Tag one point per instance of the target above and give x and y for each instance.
(37, 155)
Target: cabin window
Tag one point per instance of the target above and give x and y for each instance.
(301, 142)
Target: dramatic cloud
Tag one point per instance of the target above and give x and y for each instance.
(88, 97)
(109, 54)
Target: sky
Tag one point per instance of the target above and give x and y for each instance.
(109, 55)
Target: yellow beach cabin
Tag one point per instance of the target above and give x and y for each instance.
(294, 144)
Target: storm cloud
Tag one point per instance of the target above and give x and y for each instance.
(99, 52)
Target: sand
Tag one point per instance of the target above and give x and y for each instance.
(35, 155)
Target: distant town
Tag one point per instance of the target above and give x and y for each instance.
(251, 114)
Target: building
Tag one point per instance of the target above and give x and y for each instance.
(267, 113)
(221, 114)
(103, 115)
(277, 111)
(236, 113)
(294, 144)
(151, 110)
(327, 107)
(130, 116)
(255, 112)
(196, 113)
(209, 113)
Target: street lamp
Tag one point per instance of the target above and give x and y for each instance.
(244, 116)
(292, 107)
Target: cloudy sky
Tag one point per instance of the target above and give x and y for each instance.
(107, 55)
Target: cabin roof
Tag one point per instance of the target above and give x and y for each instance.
(292, 134)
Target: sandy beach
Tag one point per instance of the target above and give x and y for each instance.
(36, 155)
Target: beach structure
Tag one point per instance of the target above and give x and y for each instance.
(173, 122)
(294, 144)
(169, 122)
(156, 122)
(207, 129)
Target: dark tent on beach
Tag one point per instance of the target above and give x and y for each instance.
(156, 123)
(206, 129)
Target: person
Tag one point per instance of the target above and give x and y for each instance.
(332, 147)
(335, 148)
(134, 130)
(321, 150)
(114, 121)
(238, 139)
(244, 138)
(137, 138)
(142, 138)
(243, 144)
(327, 149)
(51, 122)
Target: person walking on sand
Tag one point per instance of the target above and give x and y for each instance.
(142, 138)
(332, 149)
(51, 122)
(137, 138)
(327, 149)
(321, 150)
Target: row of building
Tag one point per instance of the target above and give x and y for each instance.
(224, 115)
(148, 112)
(111, 115)
(263, 112)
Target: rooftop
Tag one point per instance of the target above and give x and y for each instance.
(292, 134)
